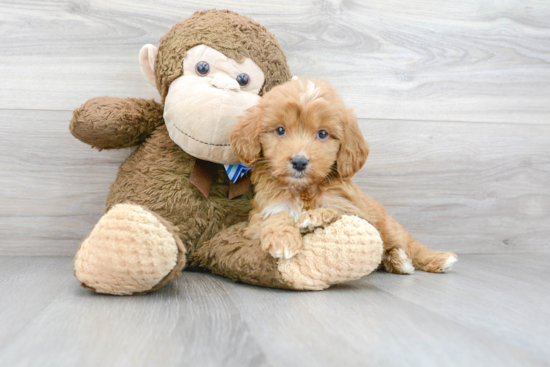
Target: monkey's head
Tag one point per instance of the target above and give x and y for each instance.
(208, 70)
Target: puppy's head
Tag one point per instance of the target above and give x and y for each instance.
(303, 132)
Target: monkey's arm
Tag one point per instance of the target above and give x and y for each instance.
(113, 123)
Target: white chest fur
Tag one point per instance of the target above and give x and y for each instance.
(293, 207)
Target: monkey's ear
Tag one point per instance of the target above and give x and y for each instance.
(245, 136)
(353, 148)
(147, 57)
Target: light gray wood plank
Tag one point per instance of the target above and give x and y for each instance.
(191, 322)
(52, 186)
(465, 317)
(422, 60)
(356, 325)
(464, 187)
(502, 295)
(27, 286)
(461, 187)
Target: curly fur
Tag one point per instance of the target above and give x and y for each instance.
(289, 201)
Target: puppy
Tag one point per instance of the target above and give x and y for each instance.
(305, 147)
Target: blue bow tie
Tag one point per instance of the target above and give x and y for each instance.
(236, 171)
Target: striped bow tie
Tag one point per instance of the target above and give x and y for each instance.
(236, 171)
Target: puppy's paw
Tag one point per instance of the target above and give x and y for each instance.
(397, 261)
(316, 218)
(281, 242)
(439, 262)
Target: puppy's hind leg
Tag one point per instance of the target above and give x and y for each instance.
(403, 253)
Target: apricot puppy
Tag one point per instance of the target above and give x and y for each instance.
(305, 146)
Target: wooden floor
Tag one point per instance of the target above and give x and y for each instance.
(491, 310)
(454, 100)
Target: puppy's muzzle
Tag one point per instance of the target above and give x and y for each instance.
(299, 163)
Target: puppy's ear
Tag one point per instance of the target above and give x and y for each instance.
(353, 148)
(245, 136)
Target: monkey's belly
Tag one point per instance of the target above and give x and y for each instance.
(156, 176)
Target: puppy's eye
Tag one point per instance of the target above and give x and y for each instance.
(322, 134)
(243, 80)
(202, 68)
(280, 131)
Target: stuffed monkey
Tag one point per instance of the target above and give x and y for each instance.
(182, 198)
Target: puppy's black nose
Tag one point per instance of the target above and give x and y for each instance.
(299, 163)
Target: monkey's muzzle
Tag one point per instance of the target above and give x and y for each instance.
(199, 117)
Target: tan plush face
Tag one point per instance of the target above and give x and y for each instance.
(205, 102)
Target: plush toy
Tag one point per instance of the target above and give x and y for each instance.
(182, 198)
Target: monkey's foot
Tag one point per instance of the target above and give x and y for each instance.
(130, 250)
(345, 250)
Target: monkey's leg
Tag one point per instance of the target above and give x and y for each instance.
(131, 250)
(345, 250)
(403, 254)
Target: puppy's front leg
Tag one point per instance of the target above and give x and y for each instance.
(315, 218)
(280, 236)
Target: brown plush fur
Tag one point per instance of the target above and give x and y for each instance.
(288, 201)
(114, 123)
(156, 175)
(234, 256)
(234, 35)
(156, 178)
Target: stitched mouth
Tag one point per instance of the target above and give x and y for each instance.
(222, 114)
(200, 141)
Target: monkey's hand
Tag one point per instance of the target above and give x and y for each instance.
(113, 123)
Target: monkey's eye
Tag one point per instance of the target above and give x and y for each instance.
(243, 79)
(280, 131)
(202, 68)
(322, 134)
